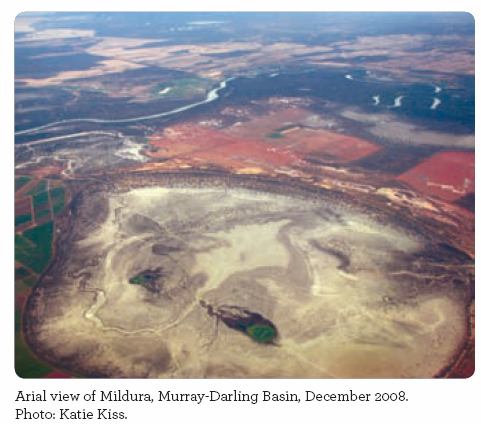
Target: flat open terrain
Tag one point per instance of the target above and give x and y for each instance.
(247, 195)
(166, 280)
(448, 175)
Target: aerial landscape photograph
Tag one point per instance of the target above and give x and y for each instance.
(244, 195)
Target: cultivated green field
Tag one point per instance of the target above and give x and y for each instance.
(20, 182)
(57, 199)
(26, 365)
(186, 88)
(38, 189)
(20, 219)
(275, 135)
(34, 247)
(33, 252)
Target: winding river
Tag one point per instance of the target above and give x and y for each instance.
(211, 96)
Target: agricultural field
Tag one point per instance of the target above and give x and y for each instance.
(37, 203)
(21, 181)
(186, 88)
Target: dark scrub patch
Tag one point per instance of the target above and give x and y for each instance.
(397, 159)
(254, 325)
(467, 202)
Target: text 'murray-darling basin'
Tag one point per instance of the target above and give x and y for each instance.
(237, 195)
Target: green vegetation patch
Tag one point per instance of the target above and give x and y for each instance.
(57, 193)
(24, 279)
(21, 219)
(262, 333)
(138, 279)
(21, 273)
(26, 365)
(39, 188)
(22, 244)
(21, 181)
(20, 287)
(275, 135)
(185, 88)
(149, 279)
(40, 199)
(144, 277)
(41, 235)
(57, 199)
(30, 281)
(34, 247)
(42, 214)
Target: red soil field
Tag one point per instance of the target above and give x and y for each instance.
(43, 171)
(20, 298)
(255, 151)
(447, 175)
(20, 228)
(40, 208)
(26, 188)
(182, 139)
(329, 143)
(23, 206)
(333, 145)
(198, 144)
(43, 220)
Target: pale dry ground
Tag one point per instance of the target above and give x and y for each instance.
(80, 152)
(397, 47)
(281, 257)
(109, 66)
(165, 56)
(457, 56)
(129, 53)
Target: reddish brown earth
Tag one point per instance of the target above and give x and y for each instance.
(23, 206)
(244, 145)
(197, 145)
(50, 169)
(27, 187)
(291, 124)
(20, 298)
(329, 144)
(447, 175)
(25, 226)
(258, 128)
